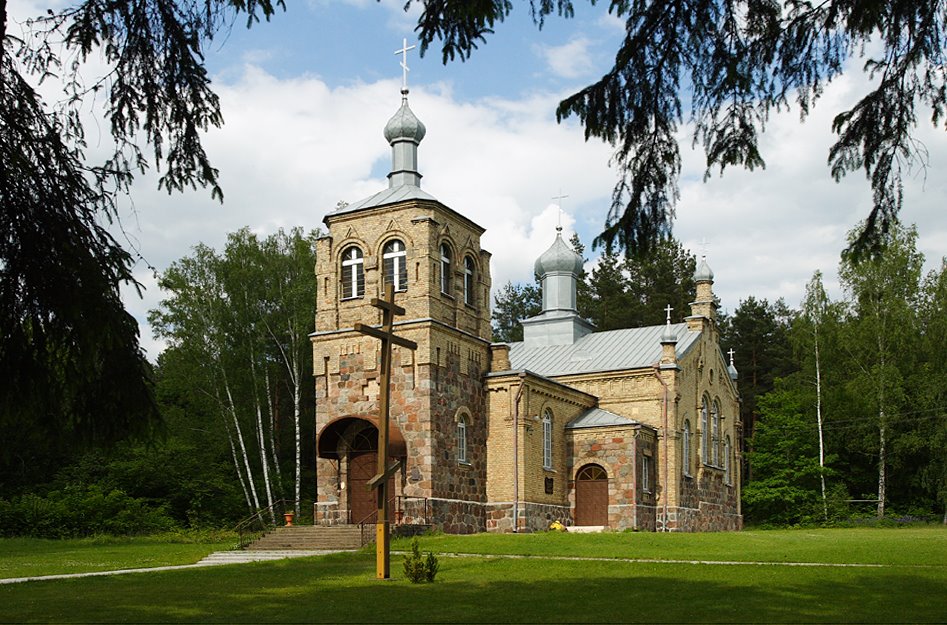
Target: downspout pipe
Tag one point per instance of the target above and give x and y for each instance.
(516, 452)
(664, 410)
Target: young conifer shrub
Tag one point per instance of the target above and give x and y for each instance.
(418, 569)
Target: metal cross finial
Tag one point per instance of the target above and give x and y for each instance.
(703, 247)
(731, 353)
(404, 63)
(668, 310)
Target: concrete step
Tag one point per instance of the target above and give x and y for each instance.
(585, 529)
(309, 538)
(240, 557)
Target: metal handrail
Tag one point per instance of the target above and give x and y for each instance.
(245, 527)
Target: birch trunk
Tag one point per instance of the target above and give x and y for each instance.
(243, 447)
(818, 413)
(269, 401)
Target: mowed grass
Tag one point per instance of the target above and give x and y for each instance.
(28, 557)
(342, 588)
(911, 546)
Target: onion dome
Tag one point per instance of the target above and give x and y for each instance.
(703, 273)
(404, 124)
(669, 335)
(559, 258)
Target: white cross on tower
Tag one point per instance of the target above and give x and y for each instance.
(404, 63)
(731, 353)
(558, 199)
(668, 310)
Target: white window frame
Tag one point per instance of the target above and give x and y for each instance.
(462, 441)
(445, 269)
(469, 285)
(353, 264)
(646, 473)
(727, 464)
(704, 432)
(715, 438)
(394, 257)
(547, 439)
(686, 447)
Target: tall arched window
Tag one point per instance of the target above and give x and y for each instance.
(704, 433)
(727, 471)
(396, 266)
(353, 273)
(445, 268)
(715, 418)
(462, 440)
(686, 447)
(469, 298)
(547, 439)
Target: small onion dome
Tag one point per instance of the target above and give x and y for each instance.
(404, 124)
(703, 274)
(668, 336)
(732, 371)
(560, 258)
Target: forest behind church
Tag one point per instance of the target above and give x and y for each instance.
(844, 403)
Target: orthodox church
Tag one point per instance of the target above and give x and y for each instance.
(624, 429)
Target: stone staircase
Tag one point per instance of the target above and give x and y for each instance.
(310, 538)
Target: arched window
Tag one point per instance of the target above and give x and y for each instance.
(547, 439)
(704, 433)
(726, 462)
(462, 440)
(715, 418)
(353, 273)
(686, 448)
(469, 298)
(396, 266)
(445, 268)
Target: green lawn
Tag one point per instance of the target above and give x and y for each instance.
(925, 545)
(28, 557)
(910, 587)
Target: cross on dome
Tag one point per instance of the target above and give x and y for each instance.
(404, 63)
(668, 310)
(731, 353)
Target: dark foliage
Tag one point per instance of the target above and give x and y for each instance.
(738, 61)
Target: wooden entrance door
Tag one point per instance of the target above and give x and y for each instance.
(591, 496)
(363, 501)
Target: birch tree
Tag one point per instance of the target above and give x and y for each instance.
(881, 335)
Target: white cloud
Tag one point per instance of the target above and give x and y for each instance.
(570, 60)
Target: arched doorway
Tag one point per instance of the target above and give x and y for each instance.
(353, 441)
(591, 496)
(362, 466)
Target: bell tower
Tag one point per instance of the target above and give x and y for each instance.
(431, 255)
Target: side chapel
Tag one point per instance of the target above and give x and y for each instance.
(625, 429)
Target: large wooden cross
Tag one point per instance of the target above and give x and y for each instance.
(380, 482)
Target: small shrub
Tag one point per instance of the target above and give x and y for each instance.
(418, 569)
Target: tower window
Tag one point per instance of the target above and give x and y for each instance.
(445, 269)
(469, 296)
(353, 273)
(462, 441)
(396, 267)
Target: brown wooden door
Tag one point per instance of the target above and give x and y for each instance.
(591, 496)
(363, 501)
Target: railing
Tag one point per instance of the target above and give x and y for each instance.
(255, 525)
(421, 519)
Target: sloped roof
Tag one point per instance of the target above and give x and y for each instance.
(382, 198)
(596, 418)
(610, 350)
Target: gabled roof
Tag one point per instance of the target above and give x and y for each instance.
(596, 418)
(611, 350)
(382, 198)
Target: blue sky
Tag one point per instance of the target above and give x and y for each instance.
(306, 96)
